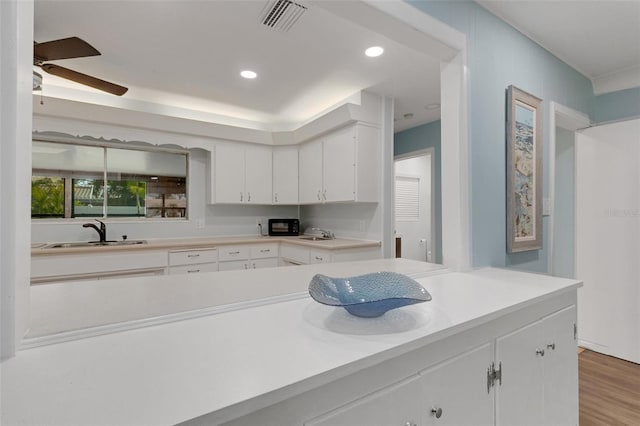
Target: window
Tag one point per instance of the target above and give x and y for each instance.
(95, 179)
(407, 198)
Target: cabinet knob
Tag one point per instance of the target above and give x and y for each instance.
(540, 352)
(552, 346)
(436, 412)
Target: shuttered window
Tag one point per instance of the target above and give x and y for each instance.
(407, 198)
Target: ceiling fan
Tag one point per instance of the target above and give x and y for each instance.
(67, 48)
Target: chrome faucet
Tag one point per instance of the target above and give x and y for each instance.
(325, 233)
(102, 231)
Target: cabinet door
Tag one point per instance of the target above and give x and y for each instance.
(560, 368)
(395, 405)
(229, 174)
(263, 263)
(339, 165)
(455, 392)
(193, 269)
(258, 174)
(519, 399)
(285, 175)
(310, 166)
(233, 265)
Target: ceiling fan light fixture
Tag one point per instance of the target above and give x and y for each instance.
(37, 81)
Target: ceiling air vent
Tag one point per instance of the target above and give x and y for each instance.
(282, 14)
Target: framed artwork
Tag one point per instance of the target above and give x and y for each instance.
(524, 171)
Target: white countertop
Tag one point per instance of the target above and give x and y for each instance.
(38, 249)
(236, 362)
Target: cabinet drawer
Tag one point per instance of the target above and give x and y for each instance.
(296, 254)
(233, 252)
(317, 256)
(194, 269)
(264, 250)
(190, 257)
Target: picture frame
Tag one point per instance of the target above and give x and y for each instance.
(524, 171)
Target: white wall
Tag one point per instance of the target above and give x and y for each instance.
(416, 234)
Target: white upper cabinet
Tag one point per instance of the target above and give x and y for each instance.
(310, 181)
(241, 174)
(285, 174)
(341, 166)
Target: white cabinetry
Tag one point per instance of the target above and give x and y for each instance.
(241, 174)
(341, 166)
(193, 261)
(248, 257)
(453, 392)
(541, 362)
(285, 175)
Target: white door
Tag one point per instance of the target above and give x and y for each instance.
(229, 174)
(414, 207)
(455, 392)
(285, 175)
(258, 174)
(608, 238)
(310, 167)
(339, 166)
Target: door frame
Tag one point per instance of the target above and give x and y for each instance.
(570, 119)
(431, 152)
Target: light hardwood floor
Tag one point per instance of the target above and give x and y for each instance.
(609, 390)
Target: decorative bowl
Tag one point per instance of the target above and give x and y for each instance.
(369, 295)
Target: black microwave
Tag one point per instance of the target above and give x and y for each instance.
(284, 226)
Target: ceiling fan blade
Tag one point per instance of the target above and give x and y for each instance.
(66, 48)
(85, 79)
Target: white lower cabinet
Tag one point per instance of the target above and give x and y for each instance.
(256, 256)
(540, 361)
(525, 377)
(453, 392)
(193, 261)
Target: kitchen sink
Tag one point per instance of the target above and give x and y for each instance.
(315, 238)
(95, 244)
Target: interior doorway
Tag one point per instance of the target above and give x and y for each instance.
(414, 206)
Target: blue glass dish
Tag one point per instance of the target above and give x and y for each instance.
(369, 295)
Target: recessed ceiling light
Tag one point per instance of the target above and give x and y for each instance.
(248, 74)
(374, 51)
(432, 106)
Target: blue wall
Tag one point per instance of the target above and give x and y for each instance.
(415, 139)
(498, 56)
(616, 105)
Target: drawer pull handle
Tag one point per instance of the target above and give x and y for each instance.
(552, 346)
(193, 271)
(193, 255)
(319, 258)
(234, 252)
(265, 250)
(540, 352)
(436, 412)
